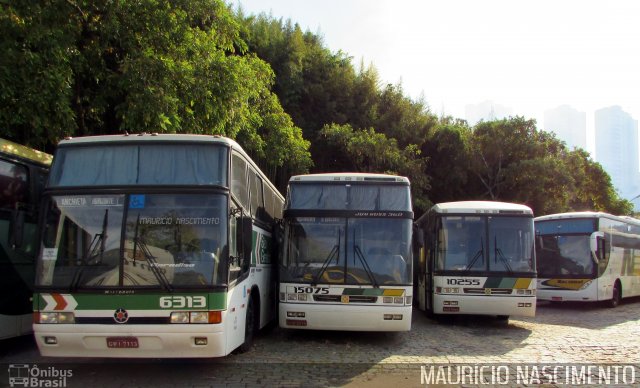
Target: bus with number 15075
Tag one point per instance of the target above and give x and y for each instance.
(346, 261)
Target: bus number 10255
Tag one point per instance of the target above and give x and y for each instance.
(310, 290)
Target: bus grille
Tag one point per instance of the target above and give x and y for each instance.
(488, 291)
(352, 298)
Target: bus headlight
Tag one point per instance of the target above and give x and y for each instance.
(198, 317)
(586, 284)
(63, 317)
(179, 317)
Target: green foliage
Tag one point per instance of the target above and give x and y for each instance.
(368, 151)
(87, 67)
(101, 67)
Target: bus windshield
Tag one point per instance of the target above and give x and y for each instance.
(485, 244)
(338, 250)
(169, 241)
(564, 255)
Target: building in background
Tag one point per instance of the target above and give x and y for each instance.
(487, 111)
(569, 125)
(616, 138)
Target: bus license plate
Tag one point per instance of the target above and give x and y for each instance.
(122, 342)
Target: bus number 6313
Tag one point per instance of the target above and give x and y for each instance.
(178, 302)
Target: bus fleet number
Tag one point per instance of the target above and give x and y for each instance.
(463, 282)
(311, 290)
(179, 302)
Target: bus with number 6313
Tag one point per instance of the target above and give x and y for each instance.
(154, 246)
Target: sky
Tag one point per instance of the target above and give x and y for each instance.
(528, 55)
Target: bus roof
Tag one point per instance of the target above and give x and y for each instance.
(588, 214)
(9, 147)
(476, 207)
(348, 176)
(168, 138)
(149, 137)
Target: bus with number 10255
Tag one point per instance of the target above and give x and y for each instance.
(477, 258)
(346, 260)
(154, 246)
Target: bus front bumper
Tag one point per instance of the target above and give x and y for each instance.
(344, 317)
(141, 341)
(524, 306)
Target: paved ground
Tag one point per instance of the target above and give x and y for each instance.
(566, 335)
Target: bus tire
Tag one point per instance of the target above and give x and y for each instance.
(617, 295)
(249, 327)
(503, 318)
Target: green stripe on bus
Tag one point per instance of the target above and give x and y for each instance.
(173, 301)
(497, 282)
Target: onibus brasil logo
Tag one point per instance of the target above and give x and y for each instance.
(25, 375)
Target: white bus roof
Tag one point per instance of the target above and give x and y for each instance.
(348, 176)
(588, 214)
(168, 137)
(145, 137)
(478, 207)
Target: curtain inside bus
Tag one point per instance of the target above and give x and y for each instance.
(151, 164)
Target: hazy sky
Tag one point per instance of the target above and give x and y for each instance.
(529, 55)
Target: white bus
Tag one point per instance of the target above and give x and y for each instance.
(154, 246)
(587, 256)
(23, 173)
(346, 261)
(477, 258)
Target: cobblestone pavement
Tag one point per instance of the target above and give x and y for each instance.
(565, 334)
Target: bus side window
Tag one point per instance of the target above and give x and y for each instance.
(239, 186)
(14, 184)
(257, 198)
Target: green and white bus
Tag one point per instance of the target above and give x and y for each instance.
(23, 173)
(587, 256)
(346, 261)
(154, 246)
(478, 258)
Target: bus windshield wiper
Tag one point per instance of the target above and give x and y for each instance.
(95, 250)
(97, 246)
(153, 264)
(335, 252)
(478, 254)
(500, 255)
(365, 265)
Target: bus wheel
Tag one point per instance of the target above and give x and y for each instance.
(249, 327)
(617, 295)
(503, 318)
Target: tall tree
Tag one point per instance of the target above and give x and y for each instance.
(171, 66)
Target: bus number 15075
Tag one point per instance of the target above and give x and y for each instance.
(310, 290)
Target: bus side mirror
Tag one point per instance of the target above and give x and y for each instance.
(598, 244)
(246, 226)
(17, 228)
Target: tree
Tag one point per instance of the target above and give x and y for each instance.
(168, 66)
(368, 151)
